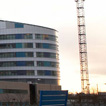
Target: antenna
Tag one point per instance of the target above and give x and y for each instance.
(82, 46)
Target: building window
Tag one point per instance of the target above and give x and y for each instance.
(46, 55)
(19, 25)
(30, 72)
(40, 72)
(16, 63)
(2, 91)
(47, 64)
(28, 36)
(46, 46)
(47, 73)
(29, 63)
(15, 36)
(16, 72)
(29, 54)
(20, 54)
(45, 37)
(28, 45)
(16, 54)
(16, 45)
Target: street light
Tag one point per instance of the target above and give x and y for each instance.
(38, 80)
(98, 88)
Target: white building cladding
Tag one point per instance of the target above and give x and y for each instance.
(28, 53)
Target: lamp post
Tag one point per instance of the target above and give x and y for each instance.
(98, 88)
(38, 80)
(105, 84)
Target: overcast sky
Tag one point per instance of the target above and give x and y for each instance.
(61, 15)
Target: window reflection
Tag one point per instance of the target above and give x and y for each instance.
(47, 73)
(45, 37)
(47, 64)
(46, 46)
(16, 36)
(16, 63)
(16, 72)
(16, 45)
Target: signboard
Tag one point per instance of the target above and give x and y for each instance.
(53, 98)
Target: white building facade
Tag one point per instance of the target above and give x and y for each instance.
(28, 53)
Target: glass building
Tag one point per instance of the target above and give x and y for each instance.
(28, 53)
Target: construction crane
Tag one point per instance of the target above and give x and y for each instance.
(82, 47)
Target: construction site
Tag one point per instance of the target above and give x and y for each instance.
(85, 98)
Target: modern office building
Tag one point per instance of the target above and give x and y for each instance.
(28, 53)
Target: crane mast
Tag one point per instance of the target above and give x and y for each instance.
(82, 46)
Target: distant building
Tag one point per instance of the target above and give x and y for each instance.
(28, 53)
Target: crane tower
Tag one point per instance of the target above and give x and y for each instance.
(82, 46)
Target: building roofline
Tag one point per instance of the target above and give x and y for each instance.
(28, 24)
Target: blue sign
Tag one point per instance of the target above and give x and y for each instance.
(56, 98)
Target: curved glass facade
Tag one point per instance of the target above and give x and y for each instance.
(45, 37)
(47, 55)
(30, 51)
(16, 45)
(16, 72)
(15, 36)
(16, 54)
(16, 63)
(47, 64)
(46, 46)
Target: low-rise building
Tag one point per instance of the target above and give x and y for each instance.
(21, 93)
(14, 92)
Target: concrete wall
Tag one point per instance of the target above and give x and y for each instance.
(14, 97)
